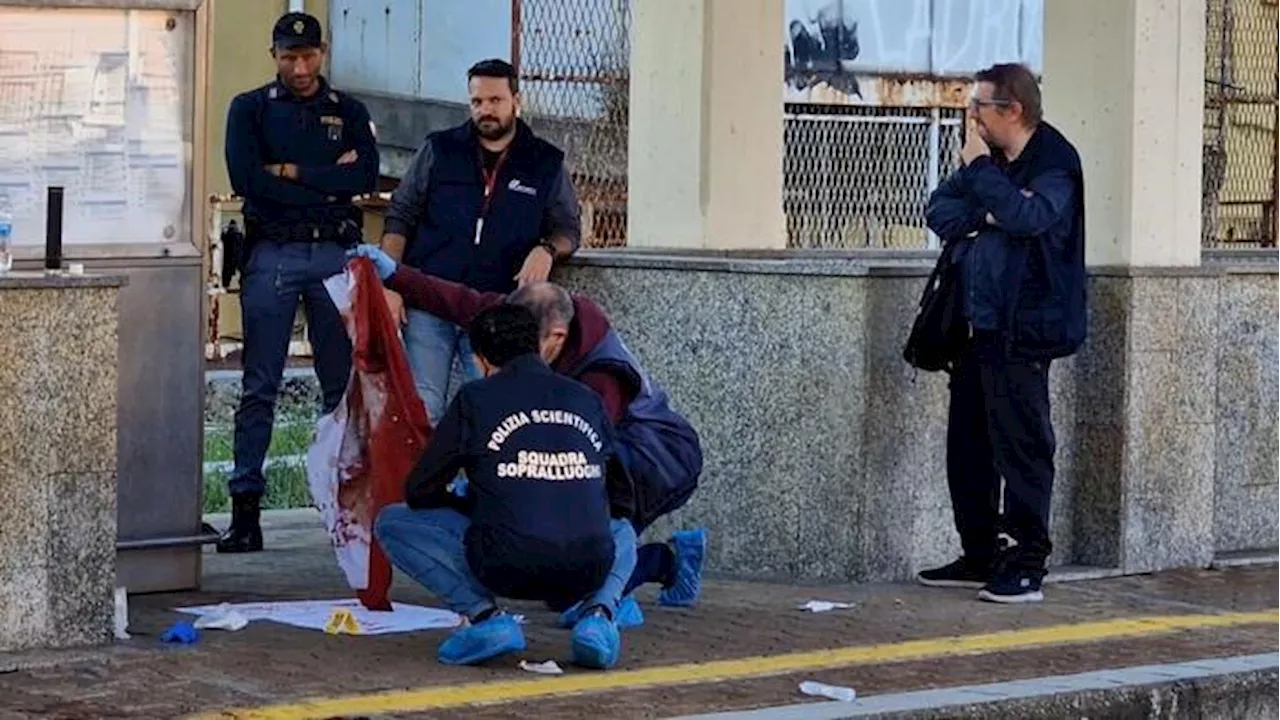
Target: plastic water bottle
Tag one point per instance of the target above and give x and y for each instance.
(6, 239)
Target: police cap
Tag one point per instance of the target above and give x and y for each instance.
(295, 30)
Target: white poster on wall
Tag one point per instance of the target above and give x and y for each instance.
(96, 102)
(901, 52)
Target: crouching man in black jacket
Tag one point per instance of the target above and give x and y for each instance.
(1016, 208)
(546, 515)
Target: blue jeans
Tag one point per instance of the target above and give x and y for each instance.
(432, 344)
(429, 546)
(277, 277)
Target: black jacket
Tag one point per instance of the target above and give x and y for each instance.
(543, 475)
(1024, 276)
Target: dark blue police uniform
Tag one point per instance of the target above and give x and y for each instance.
(297, 232)
(544, 486)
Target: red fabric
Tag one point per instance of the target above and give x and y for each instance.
(385, 415)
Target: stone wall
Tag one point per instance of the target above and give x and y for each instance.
(825, 451)
(57, 461)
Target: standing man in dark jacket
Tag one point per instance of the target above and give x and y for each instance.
(1017, 209)
(659, 448)
(486, 204)
(546, 515)
(297, 151)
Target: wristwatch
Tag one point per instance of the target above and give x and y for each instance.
(551, 248)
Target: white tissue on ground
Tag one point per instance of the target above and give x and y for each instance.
(832, 692)
(546, 667)
(825, 606)
(224, 618)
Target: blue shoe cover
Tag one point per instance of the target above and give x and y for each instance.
(498, 635)
(690, 549)
(596, 642)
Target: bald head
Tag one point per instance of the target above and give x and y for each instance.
(552, 306)
(549, 303)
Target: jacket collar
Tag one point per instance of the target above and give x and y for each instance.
(530, 364)
(278, 91)
(523, 134)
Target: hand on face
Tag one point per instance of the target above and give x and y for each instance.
(974, 146)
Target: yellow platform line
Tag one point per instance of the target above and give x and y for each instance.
(503, 691)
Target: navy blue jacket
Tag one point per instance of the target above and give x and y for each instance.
(659, 448)
(439, 202)
(1023, 277)
(543, 478)
(270, 125)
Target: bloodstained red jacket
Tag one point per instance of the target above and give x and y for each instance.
(458, 304)
(385, 415)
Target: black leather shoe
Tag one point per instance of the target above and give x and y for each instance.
(245, 533)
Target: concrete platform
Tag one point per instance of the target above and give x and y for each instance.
(745, 647)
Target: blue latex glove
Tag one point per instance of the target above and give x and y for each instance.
(181, 632)
(385, 266)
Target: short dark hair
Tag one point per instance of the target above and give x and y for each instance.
(550, 304)
(1014, 82)
(503, 333)
(495, 68)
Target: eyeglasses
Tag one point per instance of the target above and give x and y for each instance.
(976, 103)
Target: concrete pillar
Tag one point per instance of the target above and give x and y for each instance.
(705, 143)
(1124, 79)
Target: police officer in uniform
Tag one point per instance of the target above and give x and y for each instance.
(547, 511)
(297, 151)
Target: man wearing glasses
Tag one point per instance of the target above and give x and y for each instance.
(1016, 208)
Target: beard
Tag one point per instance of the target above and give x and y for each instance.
(494, 128)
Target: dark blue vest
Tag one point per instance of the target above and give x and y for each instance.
(444, 244)
(659, 447)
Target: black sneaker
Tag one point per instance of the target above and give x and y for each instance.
(1018, 585)
(963, 573)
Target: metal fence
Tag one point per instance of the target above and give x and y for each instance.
(1240, 186)
(856, 177)
(573, 57)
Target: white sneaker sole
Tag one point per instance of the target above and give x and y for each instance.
(966, 584)
(1031, 597)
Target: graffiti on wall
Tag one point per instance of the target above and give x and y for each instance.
(902, 52)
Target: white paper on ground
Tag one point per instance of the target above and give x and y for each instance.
(313, 614)
(122, 613)
(825, 606)
(832, 692)
(546, 667)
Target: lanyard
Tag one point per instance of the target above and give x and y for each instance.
(490, 182)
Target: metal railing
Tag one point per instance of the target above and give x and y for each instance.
(859, 177)
(222, 210)
(573, 57)
(1240, 187)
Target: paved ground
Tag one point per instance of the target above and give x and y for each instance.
(745, 646)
